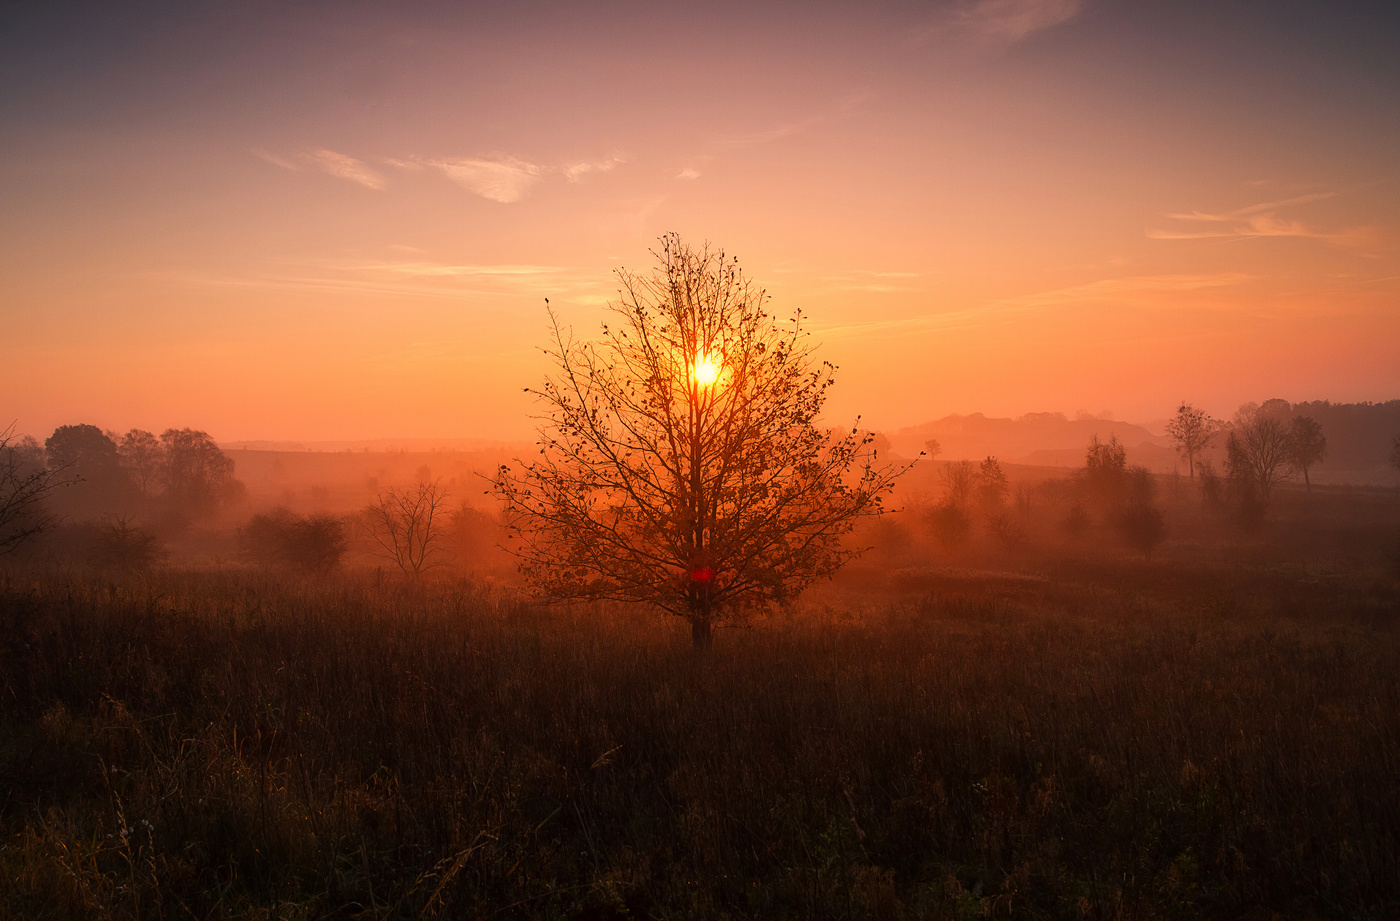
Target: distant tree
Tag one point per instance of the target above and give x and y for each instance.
(951, 519)
(1258, 451)
(143, 457)
(992, 486)
(407, 526)
(280, 537)
(1395, 453)
(1105, 471)
(90, 459)
(1309, 445)
(473, 535)
(1212, 489)
(1139, 520)
(1192, 430)
(932, 448)
(25, 482)
(198, 476)
(950, 523)
(119, 543)
(959, 482)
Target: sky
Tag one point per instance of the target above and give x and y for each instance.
(340, 220)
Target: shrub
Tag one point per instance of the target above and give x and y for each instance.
(282, 538)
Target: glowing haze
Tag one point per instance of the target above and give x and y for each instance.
(340, 220)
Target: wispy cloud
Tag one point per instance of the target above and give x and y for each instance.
(416, 278)
(273, 159)
(1251, 210)
(872, 282)
(687, 172)
(345, 167)
(574, 172)
(1111, 289)
(1014, 20)
(841, 106)
(503, 178)
(1107, 290)
(1263, 220)
(444, 270)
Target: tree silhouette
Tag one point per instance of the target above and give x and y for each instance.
(1258, 450)
(1192, 431)
(25, 482)
(198, 476)
(1309, 445)
(407, 526)
(143, 458)
(681, 461)
(89, 457)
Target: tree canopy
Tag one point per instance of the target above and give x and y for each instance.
(682, 461)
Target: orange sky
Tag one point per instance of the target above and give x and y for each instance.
(341, 221)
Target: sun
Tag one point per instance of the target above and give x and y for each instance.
(705, 370)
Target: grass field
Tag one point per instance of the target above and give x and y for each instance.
(1104, 739)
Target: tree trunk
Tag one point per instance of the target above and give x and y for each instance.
(1307, 481)
(700, 635)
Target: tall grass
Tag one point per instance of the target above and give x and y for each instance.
(1090, 744)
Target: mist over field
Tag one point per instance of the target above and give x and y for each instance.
(764, 460)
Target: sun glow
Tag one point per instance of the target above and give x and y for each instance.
(705, 370)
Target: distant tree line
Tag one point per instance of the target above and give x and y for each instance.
(103, 483)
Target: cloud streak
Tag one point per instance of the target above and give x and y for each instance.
(1107, 290)
(501, 178)
(345, 167)
(1262, 220)
(1013, 20)
(574, 172)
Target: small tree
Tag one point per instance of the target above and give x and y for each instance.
(951, 519)
(932, 448)
(1192, 430)
(1105, 472)
(1395, 453)
(1309, 445)
(992, 486)
(681, 464)
(25, 482)
(1258, 451)
(959, 482)
(406, 526)
(1140, 521)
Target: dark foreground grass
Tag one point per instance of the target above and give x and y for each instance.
(1092, 745)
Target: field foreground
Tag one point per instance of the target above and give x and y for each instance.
(1125, 742)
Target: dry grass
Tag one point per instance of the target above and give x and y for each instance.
(1101, 741)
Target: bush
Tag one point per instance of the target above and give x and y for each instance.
(282, 538)
(1142, 526)
(119, 544)
(951, 524)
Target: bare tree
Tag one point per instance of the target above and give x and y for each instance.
(1309, 445)
(25, 481)
(959, 482)
(1192, 431)
(932, 448)
(407, 526)
(1258, 450)
(681, 464)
